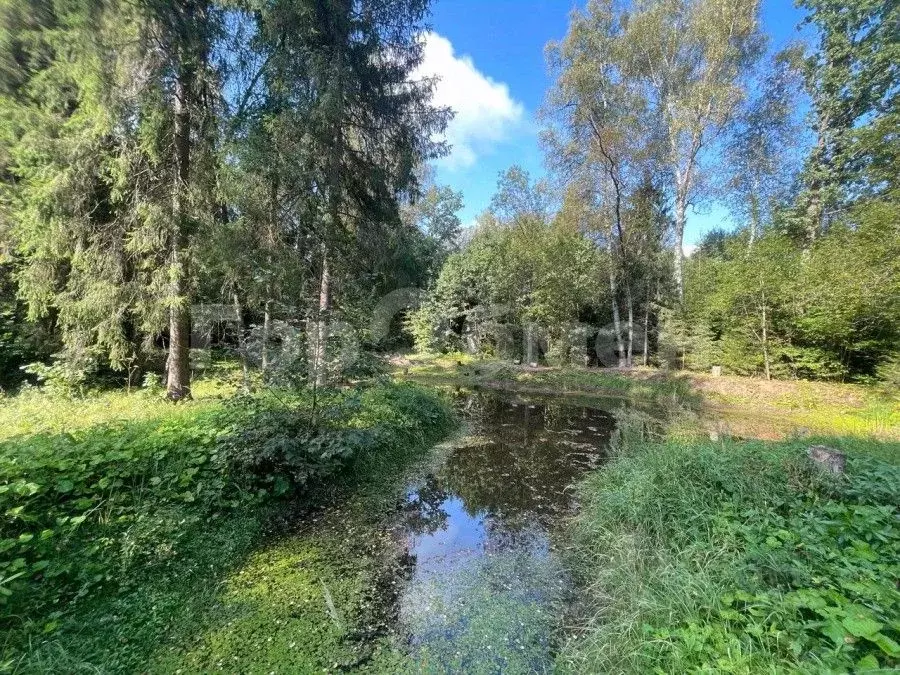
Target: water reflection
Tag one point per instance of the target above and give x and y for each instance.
(480, 529)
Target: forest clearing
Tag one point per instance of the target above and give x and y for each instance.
(287, 386)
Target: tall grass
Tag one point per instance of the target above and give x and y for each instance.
(737, 557)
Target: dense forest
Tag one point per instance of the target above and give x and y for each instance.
(248, 175)
(158, 157)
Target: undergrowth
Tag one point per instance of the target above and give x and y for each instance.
(115, 534)
(738, 557)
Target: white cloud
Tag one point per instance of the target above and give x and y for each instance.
(485, 111)
(689, 249)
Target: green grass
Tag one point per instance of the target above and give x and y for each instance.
(33, 411)
(148, 537)
(748, 407)
(738, 557)
(488, 372)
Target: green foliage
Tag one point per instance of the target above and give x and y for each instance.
(851, 77)
(297, 447)
(740, 557)
(65, 375)
(687, 342)
(87, 511)
(829, 311)
(81, 507)
(158, 155)
(526, 271)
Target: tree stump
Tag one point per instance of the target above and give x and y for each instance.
(828, 458)
(717, 371)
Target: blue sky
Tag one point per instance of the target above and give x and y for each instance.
(490, 57)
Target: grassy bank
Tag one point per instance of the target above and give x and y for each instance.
(471, 371)
(238, 533)
(740, 406)
(738, 557)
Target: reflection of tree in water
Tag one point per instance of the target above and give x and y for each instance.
(483, 578)
(537, 452)
(423, 511)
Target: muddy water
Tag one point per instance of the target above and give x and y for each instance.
(485, 582)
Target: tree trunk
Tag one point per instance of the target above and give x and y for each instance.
(647, 330)
(242, 340)
(754, 218)
(267, 330)
(270, 244)
(178, 384)
(680, 218)
(617, 323)
(814, 201)
(335, 199)
(528, 352)
(320, 359)
(630, 302)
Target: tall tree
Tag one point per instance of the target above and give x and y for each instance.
(186, 31)
(120, 120)
(852, 79)
(692, 57)
(370, 123)
(762, 151)
(605, 126)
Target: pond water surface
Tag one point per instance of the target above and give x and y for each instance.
(485, 582)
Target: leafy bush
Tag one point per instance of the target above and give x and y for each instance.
(68, 374)
(80, 506)
(284, 447)
(889, 374)
(292, 447)
(740, 558)
(84, 509)
(365, 365)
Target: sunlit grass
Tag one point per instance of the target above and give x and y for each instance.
(751, 407)
(33, 411)
(217, 564)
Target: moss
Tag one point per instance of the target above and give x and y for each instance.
(304, 604)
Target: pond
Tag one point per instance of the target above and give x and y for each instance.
(484, 580)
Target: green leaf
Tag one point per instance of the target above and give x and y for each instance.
(887, 645)
(867, 662)
(861, 626)
(835, 631)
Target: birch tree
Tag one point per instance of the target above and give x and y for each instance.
(605, 125)
(692, 58)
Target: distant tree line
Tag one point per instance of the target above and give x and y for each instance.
(662, 105)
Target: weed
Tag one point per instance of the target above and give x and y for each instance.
(739, 557)
(109, 529)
